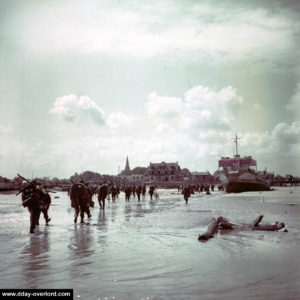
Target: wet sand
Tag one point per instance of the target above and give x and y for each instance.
(149, 250)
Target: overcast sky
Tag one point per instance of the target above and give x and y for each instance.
(83, 84)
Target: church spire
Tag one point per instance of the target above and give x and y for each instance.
(127, 168)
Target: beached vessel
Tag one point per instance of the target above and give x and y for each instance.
(239, 174)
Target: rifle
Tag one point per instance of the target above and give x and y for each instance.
(26, 187)
(30, 183)
(24, 178)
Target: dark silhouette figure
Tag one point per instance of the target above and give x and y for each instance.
(102, 194)
(114, 193)
(201, 188)
(138, 192)
(44, 204)
(186, 193)
(80, 198)
(36, 199)
(151, 191)
(127, 193)
(206, 188)
(144, 191)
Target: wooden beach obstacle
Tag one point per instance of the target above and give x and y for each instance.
(211, 230)
(223, 224)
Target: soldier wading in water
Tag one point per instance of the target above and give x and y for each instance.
(37, 200)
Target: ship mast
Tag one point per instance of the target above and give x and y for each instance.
(235, 140)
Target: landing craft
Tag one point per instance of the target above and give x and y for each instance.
(239, 174)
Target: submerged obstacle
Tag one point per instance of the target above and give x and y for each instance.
(223, 224)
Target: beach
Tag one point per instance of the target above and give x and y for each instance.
(149, 249)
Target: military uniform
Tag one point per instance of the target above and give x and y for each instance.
(31, 201)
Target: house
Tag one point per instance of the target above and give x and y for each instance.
(164, 172)
(131, 179)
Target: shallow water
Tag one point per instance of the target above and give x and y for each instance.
(149, 249)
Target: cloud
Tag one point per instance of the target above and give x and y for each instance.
(285, 138)
(294, 103)
(71, 108)
(163, 106)
(188, 129)
(207, 107)
(119, 119)
(148, 30)
(195, 130)
(201, 108)
(282, 148)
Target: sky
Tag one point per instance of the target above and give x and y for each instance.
(83, 84)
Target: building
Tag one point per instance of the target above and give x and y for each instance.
(128, 176)
(164, 173)
(131, 179)
(203, 178)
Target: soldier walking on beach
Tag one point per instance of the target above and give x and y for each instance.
(114, 193)
(133, 189)
(144, 191)
(186, 193)
(206, 188)
(90, 202)
(31, 196)
(151, 191)
(118, 191)
(138, 192)
(201, 188)
(127, 193)
(102, 193)
(44, 204)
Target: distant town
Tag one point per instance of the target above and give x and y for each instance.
(162, 174)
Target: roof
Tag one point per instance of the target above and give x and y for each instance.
(168, 165)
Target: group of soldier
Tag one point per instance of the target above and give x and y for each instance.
(199, 188)
(187, 190)
(37, 199)
(137, 191)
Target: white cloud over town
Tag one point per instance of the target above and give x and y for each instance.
(194, 130)
(72, 108)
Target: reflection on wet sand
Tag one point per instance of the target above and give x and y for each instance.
(127, 212)
(152, 204)
(81, 246)
(114, 212)
(102, 221)
(139, 210)
(102, 230)
(35, 258)
(81, 241)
